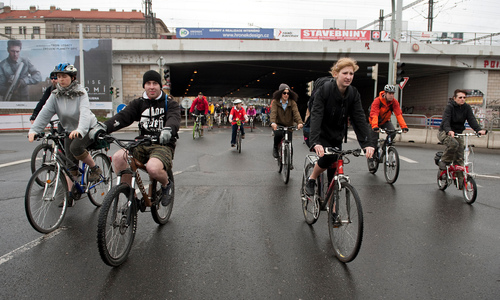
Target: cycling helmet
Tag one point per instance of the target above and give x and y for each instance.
(237, 101)
(66, 68)
(389, 88)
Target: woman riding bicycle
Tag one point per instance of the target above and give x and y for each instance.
(70, 102)
(237, 114)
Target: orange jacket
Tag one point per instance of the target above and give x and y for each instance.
(381, 111)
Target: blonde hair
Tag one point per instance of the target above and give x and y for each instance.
(342, 63)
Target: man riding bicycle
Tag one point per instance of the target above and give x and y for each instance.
(284, 112)
(200, 107)
(154, 111)
(380, 114)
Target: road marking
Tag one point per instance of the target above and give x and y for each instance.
(411, 161)
(488, 176)
(28, 246)
(15, 163)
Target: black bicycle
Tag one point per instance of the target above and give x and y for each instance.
(387, 154)
(43, 153)
(285, 158)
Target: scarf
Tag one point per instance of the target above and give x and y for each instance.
(70, 91)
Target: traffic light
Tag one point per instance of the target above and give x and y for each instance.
(166, 74)
(117, 92)
(373, 71)
(111, 90)
(310, 86)
(400, 72)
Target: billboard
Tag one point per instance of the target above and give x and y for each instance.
(225, 33)
(335, 34)
(25, 66)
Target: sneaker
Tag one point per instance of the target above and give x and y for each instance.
(233, 145)
(275, 153)
(336, 220)
(243, 136)
(166, 197)
(310, 185)
(291, 167)
(201, 132)
(95, 173)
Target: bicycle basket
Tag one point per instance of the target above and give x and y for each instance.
(437, 157)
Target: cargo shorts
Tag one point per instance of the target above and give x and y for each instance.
(164, 153)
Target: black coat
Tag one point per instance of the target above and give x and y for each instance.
(329, 117)
(454, 117)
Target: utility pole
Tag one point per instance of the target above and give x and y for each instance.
(150, 20)
(430, 17)
(381, 20)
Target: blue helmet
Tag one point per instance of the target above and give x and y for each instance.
(66, 68)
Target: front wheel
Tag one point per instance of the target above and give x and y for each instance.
(41, 155)
(238, 142)
(280, 158)
(159, 212)
(391, 165)
(442, 180)
(195, 131)
(45, 206)
(117, 225)
(310, 205)
(470, 190)
(97, 190)
(345, 222)
(286, 163)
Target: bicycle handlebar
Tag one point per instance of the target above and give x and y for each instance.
(468, 134)
(128, 144)
(334, 150)
(287, 128)
(388, 131)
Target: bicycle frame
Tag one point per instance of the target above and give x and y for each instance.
(384, 144)
(452, 170)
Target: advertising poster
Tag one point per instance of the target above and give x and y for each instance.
(225, 33)
(335, 34)
(25, 67)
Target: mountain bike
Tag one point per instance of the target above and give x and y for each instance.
(388, 155)
(197, 126)
(341, 201)
(46, 204)
(44, 151)
(117, 222)
(238, 136)
(466, 181)
(285, 153)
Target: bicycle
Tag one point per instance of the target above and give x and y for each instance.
(219, 120)
(43, 152)
(341, 201)
(386, 153)
(450, 175)
(285, 158)
(46, 204)
(197, 126)
(264, 120)
(251, 123)
(238, 136)
(117, 222)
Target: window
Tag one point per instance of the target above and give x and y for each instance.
(117, 28)
(87, 28)
(8, 30)
(58, 27)
(36, 30)
(127, 29)
(77, 28)
(98, 28)
(22, 29)
(108, 28)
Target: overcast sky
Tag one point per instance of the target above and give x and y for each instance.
(449, 15)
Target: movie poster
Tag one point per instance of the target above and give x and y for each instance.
(25, 67)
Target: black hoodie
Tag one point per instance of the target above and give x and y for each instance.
(454, 118)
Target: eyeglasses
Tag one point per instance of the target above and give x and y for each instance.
(53, 78)
(286, 93)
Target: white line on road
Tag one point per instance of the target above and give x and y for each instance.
(28, 246)
(15, 162)
(411, 161)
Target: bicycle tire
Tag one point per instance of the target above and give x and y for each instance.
(310, 205)
(160, 213)
(41, 155)
(43, 204)
(251, 126)
(238, 141)
(470, 190)
(98, 190)
(346, 237)
(279, 159)
(116, 226)
(195, 130)
(286, 163)
(442, 180)
(391, 165)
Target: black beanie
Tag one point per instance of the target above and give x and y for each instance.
(151, 75)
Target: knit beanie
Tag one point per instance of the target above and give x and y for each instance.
(151, 75)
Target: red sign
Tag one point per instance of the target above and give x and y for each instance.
(403, 83)
(335, 34)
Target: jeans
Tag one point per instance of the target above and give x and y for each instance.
(233, 135)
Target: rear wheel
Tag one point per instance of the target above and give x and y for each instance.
(42, 154)
(310, 205)
(98, 190)
(391, 165)
(286, 163)
(345, 222)
(442, 180)
(116, 226)
(470, 190)
(45, 206)
(159, 212)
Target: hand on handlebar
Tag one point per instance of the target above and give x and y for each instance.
(405, 130)
(299, 126)
(376, 129)
(320, 151)
(31, 137)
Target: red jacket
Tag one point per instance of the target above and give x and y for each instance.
(237, 114)
(200, 105)
(381, 112)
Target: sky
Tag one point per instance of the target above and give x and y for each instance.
(449, 15)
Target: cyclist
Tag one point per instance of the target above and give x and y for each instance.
(284, 112)
(454, 116)
(154, 111)
(335, 101)
(237, 114)
(70, 102)
(200, 107)
(380, 114)
(45, 96)
(251, 112)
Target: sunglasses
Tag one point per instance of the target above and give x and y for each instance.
(286, 93)
(53, 78)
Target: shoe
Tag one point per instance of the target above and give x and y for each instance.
(275, 153)
(166, 197)
(95, 173)
(201, 132)
(233, 145)
(336, 220)
(310, 185)
(74, 171)
(291, 167)
(70, 200)
(442, 165)
(243, 136)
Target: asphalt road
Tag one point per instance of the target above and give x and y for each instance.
(237, 232)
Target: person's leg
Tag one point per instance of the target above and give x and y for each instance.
(233, 134)
(388, 126)
(278, 136)
(79, 149)
(159, 162)
(120, 163)
(242, 131)
(452, 146)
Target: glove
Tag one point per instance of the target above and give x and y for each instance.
(405, 129)
(99, 130)
(376, 129)
(165, 135)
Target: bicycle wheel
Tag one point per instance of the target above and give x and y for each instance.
(442, 180)
(195, 130)
(286, 163)
(42, 154)
(98, 190)
(280, 159)
(161, 213)
(345, 222)
(310, 205)
(238, 141)
(391, 165)
(251, 126)
(116, 226)
(470, 190)
(45, 206)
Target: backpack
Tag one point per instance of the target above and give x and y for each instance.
(318, 83)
